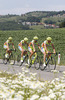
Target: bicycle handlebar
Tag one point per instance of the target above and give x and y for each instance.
(12, 50)
(52, 53)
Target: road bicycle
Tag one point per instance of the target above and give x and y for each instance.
(50, 62)
(9, 57)
(25, 59)
(35, 61)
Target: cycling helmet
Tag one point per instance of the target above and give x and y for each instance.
(49, 38)
(25, 39)
(10, 38)
(35, 38)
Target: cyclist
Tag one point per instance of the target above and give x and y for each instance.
(23, 45)
(7, 46)
(45, 45)
(32, 46)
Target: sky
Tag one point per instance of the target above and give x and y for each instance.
(19, 7)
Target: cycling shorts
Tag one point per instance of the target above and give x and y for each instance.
(30, 48)
(42, 49)
(20, 48)
(5, 47)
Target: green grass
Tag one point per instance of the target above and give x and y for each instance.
(58, 36)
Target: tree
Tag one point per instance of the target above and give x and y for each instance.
(11, 25)
(62, 24)
(33, 19)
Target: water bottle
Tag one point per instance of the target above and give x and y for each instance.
(23, 57)
(6, 55)
(59, 58)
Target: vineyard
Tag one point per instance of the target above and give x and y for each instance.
(58, 37)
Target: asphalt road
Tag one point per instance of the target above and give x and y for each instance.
(42, 75)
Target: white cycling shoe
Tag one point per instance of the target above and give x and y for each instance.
(44, 65)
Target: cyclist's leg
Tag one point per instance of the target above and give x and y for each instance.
(34, 58)
(31, 53)
(24, 52)
(6, 54)
(21, 53)
(44, 57)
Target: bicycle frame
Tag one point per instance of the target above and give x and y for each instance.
(50, 62)
(8, 59)
(49, 58)
(19, 58)
(35, 60)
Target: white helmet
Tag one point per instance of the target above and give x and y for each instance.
(25, 39)
(35, 38)
(49, 38)
(10, 38)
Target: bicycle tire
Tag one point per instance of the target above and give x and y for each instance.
(19, 60)
(41, 65)
(12, 59)
(52, 64)
(37, 63)
(25, 61)
(4, 59)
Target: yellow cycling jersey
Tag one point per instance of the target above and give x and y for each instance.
(46, 43)
(32, 42)
(23, 44)
(8, 42)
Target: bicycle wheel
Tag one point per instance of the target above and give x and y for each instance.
(12, 59)
(4, 59)
(37, 63)
(25, 61)
(52, 64)
(19, 60)
(41, 65)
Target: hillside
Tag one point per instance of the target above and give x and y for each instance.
(30, 19)
(37, 14)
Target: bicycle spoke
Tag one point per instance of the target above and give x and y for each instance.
(4, 59)
(52, 64)
(12, 59)
(37, 63)
(19, 60)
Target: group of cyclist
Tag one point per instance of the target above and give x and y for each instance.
(31, 47)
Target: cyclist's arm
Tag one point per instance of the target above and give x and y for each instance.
(7, 46)
(53, 48)
(22, 47)
(27, 47)
(46, 48)
(33, 46)
(13, 46)
(27, 44)
(39, 47)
